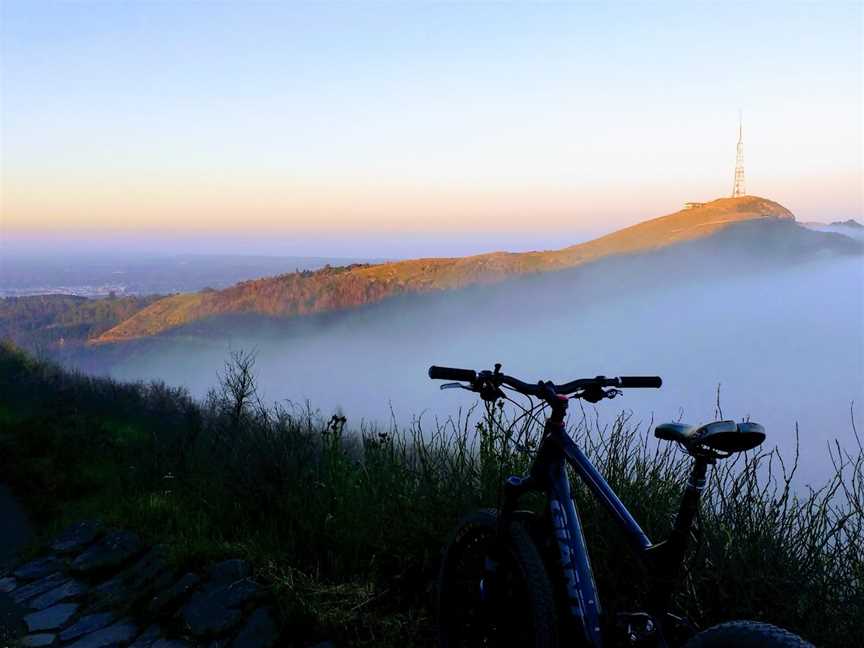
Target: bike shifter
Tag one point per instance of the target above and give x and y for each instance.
(596, 394)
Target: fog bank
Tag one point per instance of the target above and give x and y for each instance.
(784, 341)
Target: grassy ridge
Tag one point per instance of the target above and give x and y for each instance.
(348, 526)
(331, 289)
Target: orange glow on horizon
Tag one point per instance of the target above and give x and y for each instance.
(215, 207)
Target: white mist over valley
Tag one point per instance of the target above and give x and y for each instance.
(777, 327)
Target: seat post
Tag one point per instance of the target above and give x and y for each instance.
(689, 503)
(669, 554)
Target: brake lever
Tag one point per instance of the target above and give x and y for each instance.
(455, 385)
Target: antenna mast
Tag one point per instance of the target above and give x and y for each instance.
(738, 187)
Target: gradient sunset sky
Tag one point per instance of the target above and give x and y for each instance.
(396, 129)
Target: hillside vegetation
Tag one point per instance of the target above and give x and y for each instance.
(346, 287)
(347, 526)
(50, 321)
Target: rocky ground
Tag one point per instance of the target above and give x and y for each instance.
(94, 587)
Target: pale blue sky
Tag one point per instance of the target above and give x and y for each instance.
(314, 121)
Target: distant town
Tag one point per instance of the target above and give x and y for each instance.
(94, 277)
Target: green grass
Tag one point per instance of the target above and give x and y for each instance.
(347, 526)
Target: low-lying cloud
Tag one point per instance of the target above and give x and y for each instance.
(781, 335)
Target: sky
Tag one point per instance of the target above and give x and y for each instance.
(393, 129)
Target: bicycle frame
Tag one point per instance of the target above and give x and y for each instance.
(548, 474)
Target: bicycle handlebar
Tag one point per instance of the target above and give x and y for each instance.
(541, 389)
(448, 373)
(646, 382)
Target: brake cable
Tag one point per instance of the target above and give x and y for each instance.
(526, 411)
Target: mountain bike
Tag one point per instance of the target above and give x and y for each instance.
(497, 588)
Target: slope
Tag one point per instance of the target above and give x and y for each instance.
(351, 286)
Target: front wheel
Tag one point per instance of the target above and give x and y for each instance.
(493, 592)
(746, 634)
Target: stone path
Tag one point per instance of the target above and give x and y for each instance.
(98, 588)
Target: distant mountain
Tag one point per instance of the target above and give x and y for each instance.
(851, 228)
(332, 289)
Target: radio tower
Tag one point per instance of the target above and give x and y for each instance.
(738, 188)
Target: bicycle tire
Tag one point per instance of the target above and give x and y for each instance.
(532, 621)
(746, 634)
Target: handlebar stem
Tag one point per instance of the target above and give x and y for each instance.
(558, 403)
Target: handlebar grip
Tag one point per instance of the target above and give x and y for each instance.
(640, 381)
(449, 373)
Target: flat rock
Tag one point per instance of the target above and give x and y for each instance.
(119, 633)
(86, 625)
(38, 587)
(111, 552)
(147, 638)
(37, 569)
(43, 639)
(167, 600)
(69, 590)
(229, 571)
(215, 609)
(206, 615)
(241, 592)
(132, 593)
(259, 631)
(77, 537)
(150, 562)
(7, 584)
(148, 574)
(50, 618)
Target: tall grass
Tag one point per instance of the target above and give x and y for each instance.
(347, 524)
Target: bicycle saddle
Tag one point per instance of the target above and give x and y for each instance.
(723, 436)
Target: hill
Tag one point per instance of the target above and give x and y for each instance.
(851, 228)
(849, 223)
(52, 321)
(330, 289)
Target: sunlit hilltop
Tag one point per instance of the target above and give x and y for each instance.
(339, 288)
